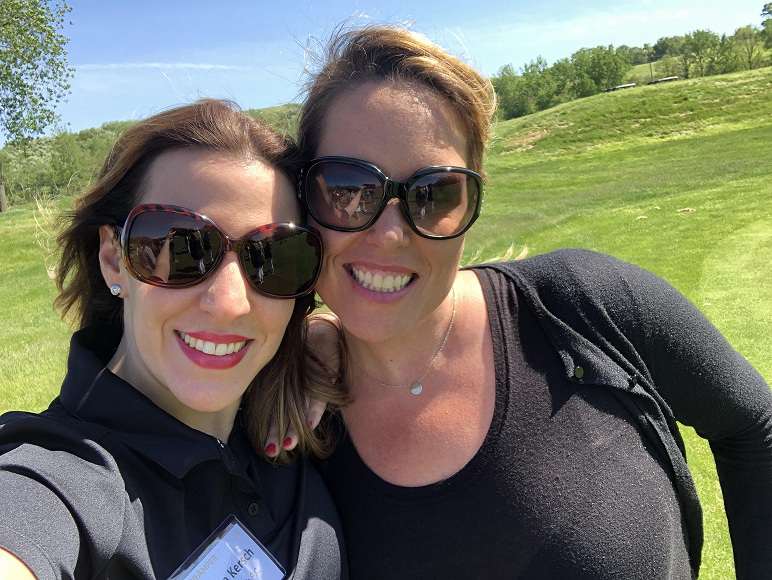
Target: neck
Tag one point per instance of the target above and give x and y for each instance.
(402, 359)
(218, 424)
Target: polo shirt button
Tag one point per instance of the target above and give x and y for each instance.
(579, 373)
(253, 509)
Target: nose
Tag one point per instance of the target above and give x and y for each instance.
(390, 230)
(226, 294)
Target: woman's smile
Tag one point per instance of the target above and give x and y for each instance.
(213, 351)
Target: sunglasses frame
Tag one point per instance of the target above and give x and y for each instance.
(391, 189)
(230, 244)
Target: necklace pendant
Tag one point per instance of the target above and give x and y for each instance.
(416, 388)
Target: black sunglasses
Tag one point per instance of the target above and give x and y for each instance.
(346, 194)
(173, 247)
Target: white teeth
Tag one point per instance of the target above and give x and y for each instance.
(208, 347)
(380, 281)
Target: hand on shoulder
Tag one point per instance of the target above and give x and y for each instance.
(324, 349)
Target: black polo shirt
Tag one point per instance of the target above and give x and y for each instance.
(104, 484)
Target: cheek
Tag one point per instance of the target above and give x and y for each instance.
(146, 309)
(335, 246)
(276, 317)
(445, 255)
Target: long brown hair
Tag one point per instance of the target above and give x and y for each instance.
(279, 391)
(392, 53)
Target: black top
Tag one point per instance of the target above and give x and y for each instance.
(582, 473)
(106, 484)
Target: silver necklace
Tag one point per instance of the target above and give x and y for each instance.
(416, 386)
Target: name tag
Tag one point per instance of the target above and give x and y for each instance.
(231, 551)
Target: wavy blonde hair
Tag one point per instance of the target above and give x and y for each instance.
(392, 53)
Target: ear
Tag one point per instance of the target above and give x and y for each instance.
(110, 258)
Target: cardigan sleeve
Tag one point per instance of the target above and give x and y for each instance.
(711, 387)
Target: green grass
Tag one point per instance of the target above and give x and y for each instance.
(642, 73)
(675, 177)
(283, 118)
(33, 340)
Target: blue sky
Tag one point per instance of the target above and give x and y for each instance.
(135, 58)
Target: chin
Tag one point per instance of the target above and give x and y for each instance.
(206, 398)
(372, 330)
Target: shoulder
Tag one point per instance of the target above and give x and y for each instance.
(575, 274)
(59, 486)
(53, 433)
(46, 451)
(578, 285)
(562, 266)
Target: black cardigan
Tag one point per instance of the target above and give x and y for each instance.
(633, 349)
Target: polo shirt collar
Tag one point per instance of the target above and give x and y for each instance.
(93, 393)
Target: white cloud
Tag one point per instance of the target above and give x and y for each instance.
(519, 38)
(161, 66)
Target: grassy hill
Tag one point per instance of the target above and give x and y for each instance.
(66, 163)
(675, 177)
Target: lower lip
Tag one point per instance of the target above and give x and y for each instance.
(380, 297)
(210, 361)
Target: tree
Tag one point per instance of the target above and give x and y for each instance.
(767, 24)
(597, 69)
(724, 59)
(667, 46)
(634, 54)
(34, 74)
(749, 44)
(505, 83)
(702, 46)
(534, 89)
(564, 77)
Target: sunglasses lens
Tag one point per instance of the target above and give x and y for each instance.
(282, 260)
(443, 203)
(343, 196)
(172, 249)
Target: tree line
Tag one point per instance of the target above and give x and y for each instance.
(538, 85)
(35, 75)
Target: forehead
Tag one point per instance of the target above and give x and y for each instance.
(238, 194)
(400, 126)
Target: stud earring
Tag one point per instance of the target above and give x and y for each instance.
(115, 289)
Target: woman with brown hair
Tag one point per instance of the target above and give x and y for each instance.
(512, 420)
(190, 279)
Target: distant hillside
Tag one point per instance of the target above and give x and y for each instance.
(283, 118)
(66, 163)
(643, 114)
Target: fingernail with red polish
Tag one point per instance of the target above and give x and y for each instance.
(287, 442)
(270, 449)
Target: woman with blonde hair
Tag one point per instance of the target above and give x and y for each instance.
(189, 277)
(509, 420)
